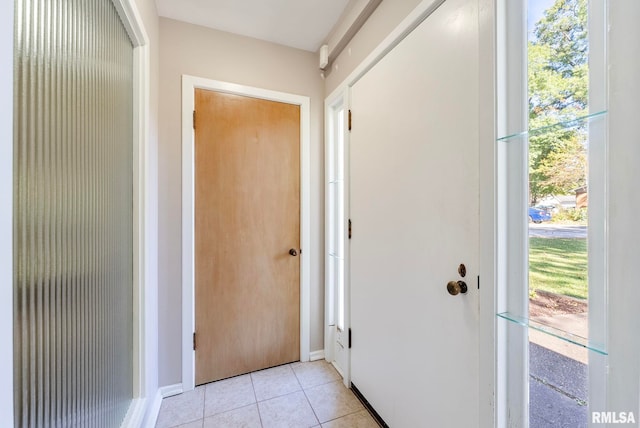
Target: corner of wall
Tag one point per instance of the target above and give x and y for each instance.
(381, 23)
(149, 15)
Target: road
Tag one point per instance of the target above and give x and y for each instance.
(550, 230)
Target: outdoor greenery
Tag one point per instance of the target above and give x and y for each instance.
(558, 265)
(558, 92)
(574, 215)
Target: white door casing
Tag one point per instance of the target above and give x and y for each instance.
(414, 204)
(189, 84)
(336, 226)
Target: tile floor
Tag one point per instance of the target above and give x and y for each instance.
(295, 395)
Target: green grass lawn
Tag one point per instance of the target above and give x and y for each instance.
(558, 265)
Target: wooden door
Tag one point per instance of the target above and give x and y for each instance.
(247, 218)
(414, 210)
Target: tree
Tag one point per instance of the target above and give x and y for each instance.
(564, 29)
(564, 168)
(557, 163)
(558, 92)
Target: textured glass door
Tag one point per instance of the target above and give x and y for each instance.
(73, 214)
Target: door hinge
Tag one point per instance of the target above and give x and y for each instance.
(349, 337)
(349, 121)
(349, 228)
(478, 282)
(194, 340)
(194, 119)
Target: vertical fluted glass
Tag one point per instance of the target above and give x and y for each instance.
(73, 214)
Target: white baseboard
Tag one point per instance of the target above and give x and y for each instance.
(170, 390)
(316, 355)
(154, 410)
(135, 414)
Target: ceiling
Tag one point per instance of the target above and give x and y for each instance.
(302, 24)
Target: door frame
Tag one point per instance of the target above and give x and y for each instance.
(189, 85)
(488, 268)
(338, 98)
(145, 217)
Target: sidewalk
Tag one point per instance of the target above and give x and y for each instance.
(577, 324)
(558, 388)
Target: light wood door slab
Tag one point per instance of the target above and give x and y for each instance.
(247, 218)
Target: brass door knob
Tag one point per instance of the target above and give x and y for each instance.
(456, 287)
(293, 252)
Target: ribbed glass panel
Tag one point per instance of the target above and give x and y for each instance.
(73, 214)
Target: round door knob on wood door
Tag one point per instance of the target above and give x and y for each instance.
(456, 287)
(293, 252)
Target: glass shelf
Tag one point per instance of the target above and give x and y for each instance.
(573, 123)
(553, 331)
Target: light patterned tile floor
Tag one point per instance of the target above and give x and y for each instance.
(295, 395)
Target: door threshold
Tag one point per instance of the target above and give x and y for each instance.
(369, 407)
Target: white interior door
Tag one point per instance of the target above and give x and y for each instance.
(414, 207)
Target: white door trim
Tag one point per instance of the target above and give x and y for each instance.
(511, 230)
(339, 98)
(189, 84)
(145, 266)
(488, 208)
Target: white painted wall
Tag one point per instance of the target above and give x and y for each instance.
(624, 206)
(202, 52)
(6, 213)
(382, 22)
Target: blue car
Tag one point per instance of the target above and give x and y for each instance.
(538, 215)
